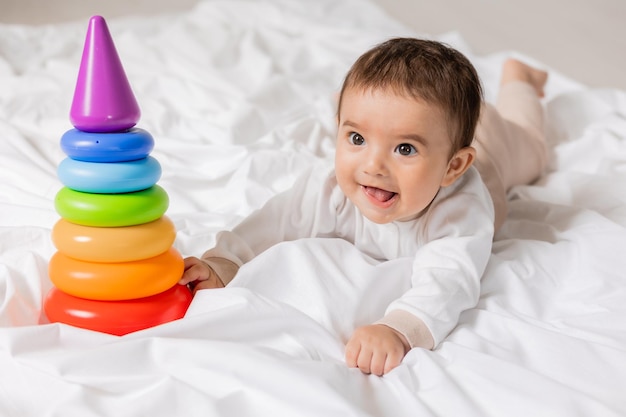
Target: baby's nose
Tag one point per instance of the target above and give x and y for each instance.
(375, 165)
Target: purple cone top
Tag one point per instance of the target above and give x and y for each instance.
(103, 99)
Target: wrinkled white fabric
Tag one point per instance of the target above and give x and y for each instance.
(239, 97)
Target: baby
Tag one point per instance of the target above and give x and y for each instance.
(416, 175)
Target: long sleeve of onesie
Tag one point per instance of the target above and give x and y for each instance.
(307, 209)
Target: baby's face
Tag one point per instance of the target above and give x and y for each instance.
(393, 152)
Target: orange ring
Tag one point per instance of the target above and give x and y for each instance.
(118, 317)
(116, 281)
(114, 244)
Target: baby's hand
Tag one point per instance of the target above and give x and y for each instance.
(199, 276)
(376, 349)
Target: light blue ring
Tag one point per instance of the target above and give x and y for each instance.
(109, 177)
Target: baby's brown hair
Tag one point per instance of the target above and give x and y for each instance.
(425, 70)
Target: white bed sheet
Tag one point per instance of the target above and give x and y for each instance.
(239, 96)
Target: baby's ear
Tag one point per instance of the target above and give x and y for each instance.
(459, 163)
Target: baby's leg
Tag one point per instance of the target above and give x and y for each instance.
(521, 88)
(510, 140)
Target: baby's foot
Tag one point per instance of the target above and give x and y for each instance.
(514, 70)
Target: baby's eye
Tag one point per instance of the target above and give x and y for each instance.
(406, 149)
(356, 139)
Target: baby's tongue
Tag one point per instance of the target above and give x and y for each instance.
(378, 194)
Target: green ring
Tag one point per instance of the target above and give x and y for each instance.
(111, 210)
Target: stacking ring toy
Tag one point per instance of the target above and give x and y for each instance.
(116, 281)
(114, 244)
(128, 145)
(111, 210)
(118, 317)
(111, 177)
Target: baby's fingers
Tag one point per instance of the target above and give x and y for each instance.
(392, 360)
(360, 355)
(205, 285)
(195, 270)
(375, 349)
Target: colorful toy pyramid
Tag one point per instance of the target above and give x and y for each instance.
(115, 269)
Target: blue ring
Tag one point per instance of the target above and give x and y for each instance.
(110, 177)
(123, 146)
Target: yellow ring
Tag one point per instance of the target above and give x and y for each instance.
(114, 244)
(116, 281)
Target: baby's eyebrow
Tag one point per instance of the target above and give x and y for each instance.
(415, 138)
(350, 124)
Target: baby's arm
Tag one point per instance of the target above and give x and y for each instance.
(290, 215)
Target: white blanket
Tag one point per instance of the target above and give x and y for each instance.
(239, 96)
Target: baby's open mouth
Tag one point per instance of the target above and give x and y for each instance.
(379, 194)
